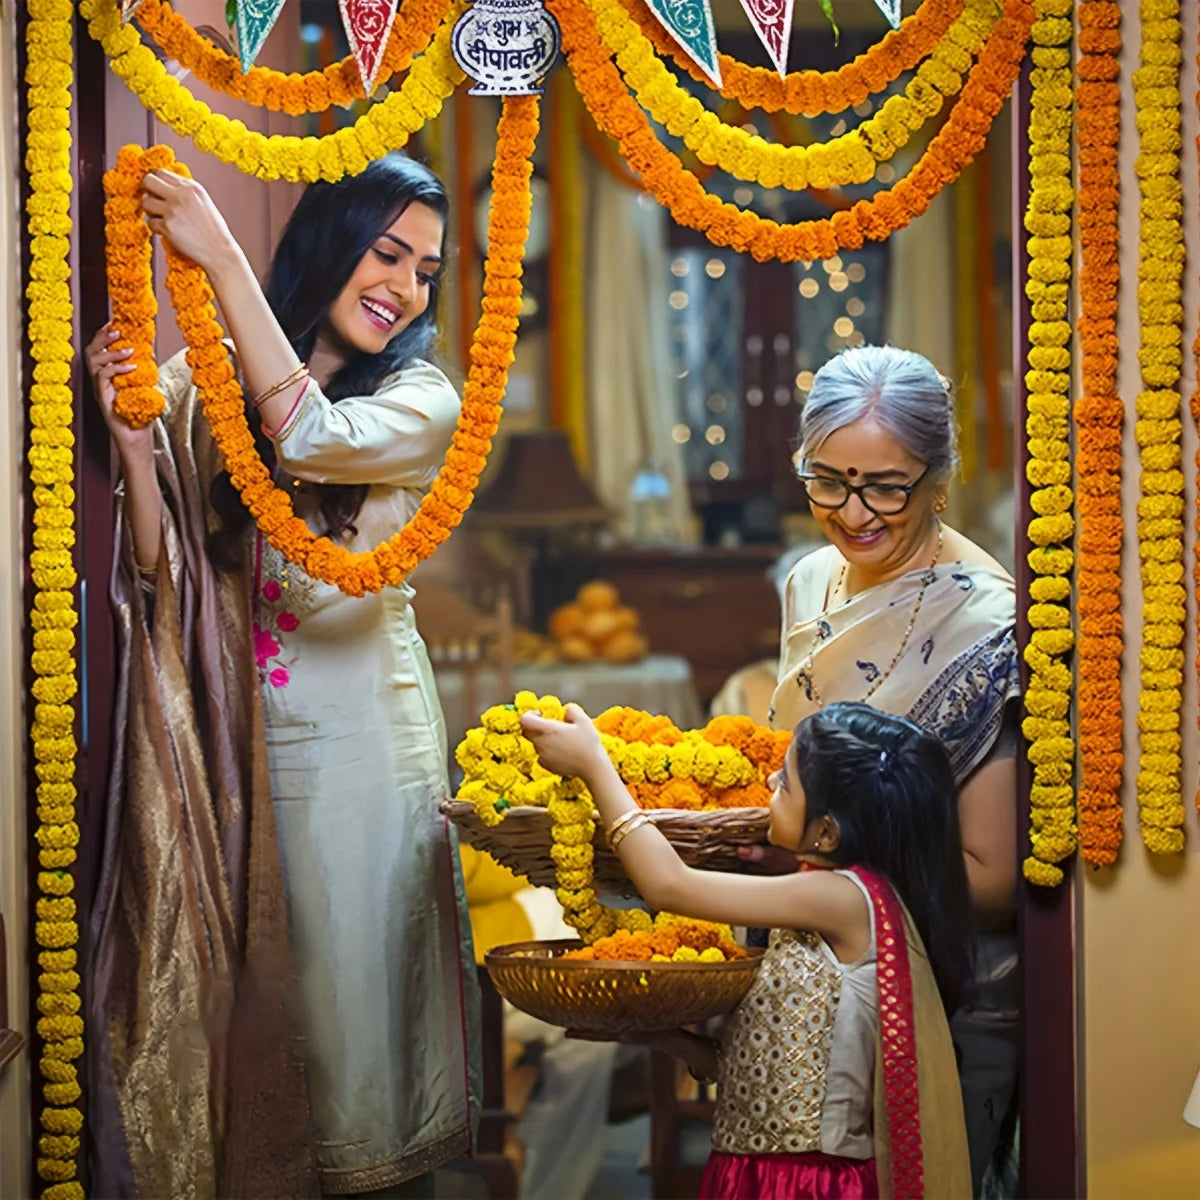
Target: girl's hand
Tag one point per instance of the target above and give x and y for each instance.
(180, 210)
(104, 365)
(567, 747)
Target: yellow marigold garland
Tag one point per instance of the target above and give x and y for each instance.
(1048, 698)
(491, 354)
(1159, 427)
(963, 135)
(384, 126)
(263, 87)
(1099, 420)
(815, 92)
(848, 159)
(49, 76)
(1194, 405)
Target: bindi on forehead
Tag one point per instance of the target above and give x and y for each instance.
(851, 472)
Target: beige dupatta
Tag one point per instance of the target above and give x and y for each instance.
(917, 1093)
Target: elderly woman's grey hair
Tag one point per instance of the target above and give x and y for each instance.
(900, 389)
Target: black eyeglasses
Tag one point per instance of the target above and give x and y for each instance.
(883, 499)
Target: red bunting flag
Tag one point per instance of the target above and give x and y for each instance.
(368, 24)
(772, 21)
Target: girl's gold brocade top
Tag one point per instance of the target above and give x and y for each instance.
(797, 1068)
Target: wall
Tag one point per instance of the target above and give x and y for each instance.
(14, 1089)
(255, 211)
(1140, 949)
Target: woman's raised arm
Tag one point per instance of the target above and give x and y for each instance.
(180, 210)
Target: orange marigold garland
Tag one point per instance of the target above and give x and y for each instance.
(1099, 416)
(814, 92)
(128, 257)
(263, 87)
(491, 354)
(664, 176)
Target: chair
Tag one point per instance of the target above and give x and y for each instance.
(676, 1100)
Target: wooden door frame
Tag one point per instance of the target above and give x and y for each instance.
(1052, 1165)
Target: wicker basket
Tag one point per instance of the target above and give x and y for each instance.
(616, 997)
(521, 841)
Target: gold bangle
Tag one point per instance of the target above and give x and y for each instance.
(623, 819)
(145, 572)
(293, 377)
(625, 830)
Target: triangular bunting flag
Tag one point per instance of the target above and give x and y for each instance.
(255, 19)
(772, 21)
(890, 9)
(368, 24)
(690, 23)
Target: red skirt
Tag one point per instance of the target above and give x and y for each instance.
(812, 1176)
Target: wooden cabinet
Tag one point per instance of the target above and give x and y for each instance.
(717, 608)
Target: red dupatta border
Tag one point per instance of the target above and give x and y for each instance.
(898, 1038)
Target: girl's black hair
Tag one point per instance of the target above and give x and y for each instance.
(332, 228)
(889, 787)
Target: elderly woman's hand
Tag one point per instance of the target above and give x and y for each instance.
(768, 860)
(180, 210)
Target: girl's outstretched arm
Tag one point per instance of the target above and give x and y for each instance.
(828, 904)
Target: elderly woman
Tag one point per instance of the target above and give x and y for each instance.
(905, 613)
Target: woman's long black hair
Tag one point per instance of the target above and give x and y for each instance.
(332, 227)
(889, 787)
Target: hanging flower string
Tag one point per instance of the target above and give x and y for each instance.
(1159, 427)
(1194, 405)
(956, 144)
(1099, 417)
(812, 93)
(850, 158)
(383, 127)
(1048, 698)
(491, 355)
(263, 87)
(48, 76)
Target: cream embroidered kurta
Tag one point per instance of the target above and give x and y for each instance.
(357, 753)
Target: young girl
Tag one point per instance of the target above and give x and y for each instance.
(836, 1074)
(273, 822)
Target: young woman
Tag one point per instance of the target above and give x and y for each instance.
(275, 858)
(836, 1072)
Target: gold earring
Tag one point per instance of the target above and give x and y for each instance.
(939, 502)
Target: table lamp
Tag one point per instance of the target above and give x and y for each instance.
(538, 487)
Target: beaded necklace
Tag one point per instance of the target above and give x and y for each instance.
(926, 579)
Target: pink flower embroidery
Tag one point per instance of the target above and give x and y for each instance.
(287, 621)
(279, 677)
(265, 646)
(271, 590)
